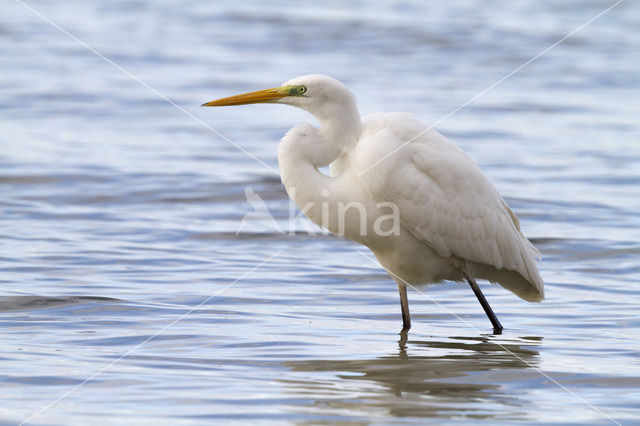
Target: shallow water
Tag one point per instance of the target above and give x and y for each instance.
(128, 297)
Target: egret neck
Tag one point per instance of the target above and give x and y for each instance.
(305, 148)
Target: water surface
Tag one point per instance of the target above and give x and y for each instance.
(127, 296)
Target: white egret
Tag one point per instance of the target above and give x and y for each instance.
(445, 220)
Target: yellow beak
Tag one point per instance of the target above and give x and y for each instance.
(261, 96)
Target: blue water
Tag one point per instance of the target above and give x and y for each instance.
(127, 296)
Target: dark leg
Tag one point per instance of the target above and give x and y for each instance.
(497, 327)
(404, 303)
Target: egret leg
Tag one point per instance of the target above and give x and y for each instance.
(404, 303)
(497, 327)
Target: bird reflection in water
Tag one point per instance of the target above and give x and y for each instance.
(456, 377)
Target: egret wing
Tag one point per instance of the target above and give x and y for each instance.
(443, 197)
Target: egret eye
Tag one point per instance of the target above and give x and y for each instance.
(302, 89)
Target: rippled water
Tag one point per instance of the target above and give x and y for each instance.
(127, 296)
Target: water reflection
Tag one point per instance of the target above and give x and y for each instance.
(28, 302)
(459, 376)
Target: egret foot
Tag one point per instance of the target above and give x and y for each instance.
(402, 343)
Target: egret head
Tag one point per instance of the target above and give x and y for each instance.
(321, 95)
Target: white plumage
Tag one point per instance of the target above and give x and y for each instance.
(453, 224)
(447, 203)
